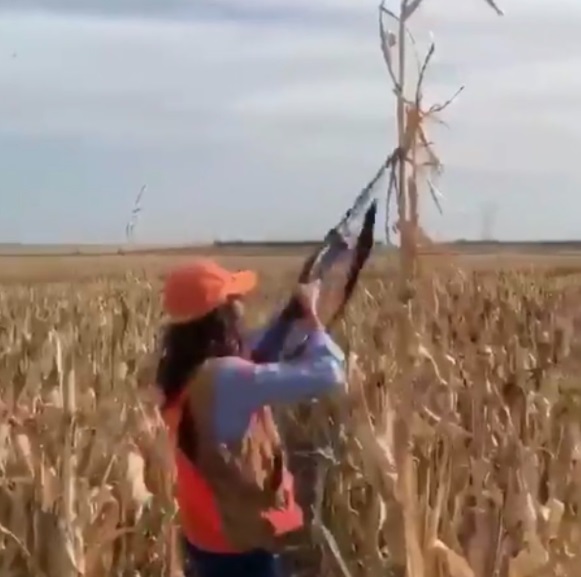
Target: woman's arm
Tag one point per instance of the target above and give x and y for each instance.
(242, 387)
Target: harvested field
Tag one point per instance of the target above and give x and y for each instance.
(58, 265)
(468, 467)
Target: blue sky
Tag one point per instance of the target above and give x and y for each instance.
(263, 118)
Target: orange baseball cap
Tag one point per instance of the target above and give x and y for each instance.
(195, 289)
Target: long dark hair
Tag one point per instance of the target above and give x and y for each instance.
(185, 346)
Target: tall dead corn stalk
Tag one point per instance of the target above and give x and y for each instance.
(418, 162)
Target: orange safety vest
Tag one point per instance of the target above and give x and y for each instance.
(200, 513)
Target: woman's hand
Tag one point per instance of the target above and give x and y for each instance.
(308, 297)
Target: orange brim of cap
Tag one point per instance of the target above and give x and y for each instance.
(240, 284)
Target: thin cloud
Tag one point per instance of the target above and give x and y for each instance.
(278, 107)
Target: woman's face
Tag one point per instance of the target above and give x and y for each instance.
(238, 308)
(237, 312)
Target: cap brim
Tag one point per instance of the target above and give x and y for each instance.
(241, 283)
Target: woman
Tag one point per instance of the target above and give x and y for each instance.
(235, 494)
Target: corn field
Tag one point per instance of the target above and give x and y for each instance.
(468, 466)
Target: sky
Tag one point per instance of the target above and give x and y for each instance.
(262, 119)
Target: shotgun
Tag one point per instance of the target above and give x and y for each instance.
(338, 243)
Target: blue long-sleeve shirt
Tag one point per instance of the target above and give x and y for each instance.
(241, 387)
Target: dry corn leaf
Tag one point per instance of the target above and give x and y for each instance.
(529, 560)
(457, 565)
(139, 493)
